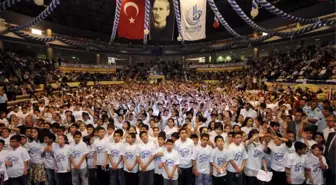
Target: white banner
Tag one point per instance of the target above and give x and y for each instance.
(193, 15)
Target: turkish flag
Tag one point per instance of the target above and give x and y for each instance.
(131, 19)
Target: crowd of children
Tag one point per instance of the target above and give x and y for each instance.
(217, 145)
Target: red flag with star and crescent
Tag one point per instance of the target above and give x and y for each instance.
(131, 19)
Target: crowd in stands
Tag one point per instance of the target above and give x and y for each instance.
(177, 132)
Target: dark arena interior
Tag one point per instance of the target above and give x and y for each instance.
(167, 92)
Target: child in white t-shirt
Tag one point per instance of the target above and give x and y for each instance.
(145, 156)
(78, 154)
(158, 179)
(131, 166)
(219, 161)
(201, 161)
(296, 165)
(62, 153)
(3, 161)
(170, 128)
(256, 157)
(35, 149)
(317, 164)
(91, 159)
(237, 157)
(170, 161)
(100, 148)
(114, 151)
(17, 161)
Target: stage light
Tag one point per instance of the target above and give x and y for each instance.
(39, 2)
(264, 34)
(36, 31)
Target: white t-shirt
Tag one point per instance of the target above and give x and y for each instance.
(115, 151)
(157, 160)
(169, 131)
(185, 150)
(313, 163)
(6, 146)
(202, 157)
(145, 152)
(90, 156)
(238, 154)
(100, 147)
(35, 150)
(77, 152)
(170, 159)
(3, 157)
(278, 157)
(297, 164)
(48, 159)
(130, 153)
(255, 153)
(310, 143)
(246, 130)
(17, 157)
(62, 155)
(219, 158)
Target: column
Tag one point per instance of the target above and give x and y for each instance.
(50, 53)
(184, 64)
(255, 53)
(98, 59)
(213, 58)
(2, 48)
(130, 59)
(208, 58)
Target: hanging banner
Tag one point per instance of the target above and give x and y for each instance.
(131, 19)
(162, 20)
(193, 19)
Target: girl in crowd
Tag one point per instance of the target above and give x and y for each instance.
(61, 154)
(35, 149)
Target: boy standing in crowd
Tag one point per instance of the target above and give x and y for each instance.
(146, 154)
(17, 165)
(131, 166)
(201, 162)
(170, 161)
(78, 156)
(237, 158)
(114, 151)
(185, 147)
(296, 165)
(100, 148)
(219, 161)
(158, 179)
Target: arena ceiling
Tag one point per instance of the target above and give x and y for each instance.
(97, 15)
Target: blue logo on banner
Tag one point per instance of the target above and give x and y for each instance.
(196, 16)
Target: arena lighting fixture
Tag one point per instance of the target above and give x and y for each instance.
(264, 34)
(36, 31)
